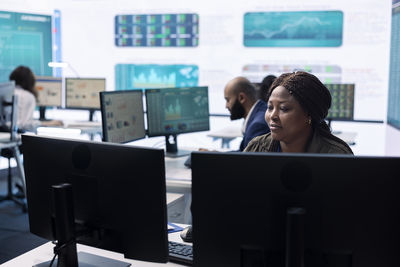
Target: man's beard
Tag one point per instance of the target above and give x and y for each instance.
(237, 111)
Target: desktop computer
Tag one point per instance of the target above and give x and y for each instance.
(118, 194)
(173, 111)
(49, 93)
(277, 209)
(83, 93)
(122, 116)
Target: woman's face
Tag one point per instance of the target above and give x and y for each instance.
(285, 117)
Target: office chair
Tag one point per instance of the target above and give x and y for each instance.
(10, 148)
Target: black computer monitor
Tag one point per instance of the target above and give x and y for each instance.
(342, 107)
(83, 93)
(6, 100)
(242, 214)
(119, 194)
(49, 93)
(122, 116)
(173, 111)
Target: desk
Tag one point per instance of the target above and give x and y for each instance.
(226, 135)
(45, 253)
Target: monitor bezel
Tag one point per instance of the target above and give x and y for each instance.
(104, 117)
(51, 78)
(147, 90)
(82, 78)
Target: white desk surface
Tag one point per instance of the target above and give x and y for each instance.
(45, 253)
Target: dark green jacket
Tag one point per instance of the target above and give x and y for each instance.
(318, 144)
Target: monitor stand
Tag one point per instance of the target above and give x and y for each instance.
(64, 221)
(91, 114)
(172, 148)
(42, 114)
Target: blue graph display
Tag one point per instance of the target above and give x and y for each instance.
(393, 114)
(293, 29)
(141, 76)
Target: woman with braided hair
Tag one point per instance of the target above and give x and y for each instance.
(297, 106)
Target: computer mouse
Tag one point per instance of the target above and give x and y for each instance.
(186, 234)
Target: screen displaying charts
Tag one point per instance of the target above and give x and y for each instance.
(293, 29)
(177, 110)
(342, 107)
(83, 92)
(139, 76)
(25, 39)
(393, 114)
(49, 91)
(160, 30)
(122, 116)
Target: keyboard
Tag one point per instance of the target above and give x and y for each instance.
(180, 253)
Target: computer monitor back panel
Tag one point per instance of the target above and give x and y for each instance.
(118, 189)
(49, 91)
(240, 201)
(342, 106)
(83, 93)
(122, 116)
(6, 96)
(177, 110)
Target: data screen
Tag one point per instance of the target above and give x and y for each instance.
(177, 110)
(342, 107)
(123, 116)
(160, 30)
(49, 91)
(83, 92)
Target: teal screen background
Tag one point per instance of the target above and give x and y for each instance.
(393, 114)
(293, 29)
(25, 39)
(139, 76)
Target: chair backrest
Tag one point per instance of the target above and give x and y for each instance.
(8, 109)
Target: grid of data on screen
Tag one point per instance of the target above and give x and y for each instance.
(342, 107)
(162, 30)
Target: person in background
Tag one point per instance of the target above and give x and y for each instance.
(297, 106)
(264, 87)
(241, 101)
(26, 92)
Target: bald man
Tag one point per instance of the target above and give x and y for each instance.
(241, 101)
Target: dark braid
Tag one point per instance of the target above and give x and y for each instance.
(314, 98)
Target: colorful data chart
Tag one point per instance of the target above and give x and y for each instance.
(157, 30)
(142, 76)
(293, 29)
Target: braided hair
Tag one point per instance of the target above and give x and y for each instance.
(313, 97)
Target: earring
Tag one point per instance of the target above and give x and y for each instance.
(309, 121)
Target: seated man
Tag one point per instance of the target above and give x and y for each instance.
(241, 101)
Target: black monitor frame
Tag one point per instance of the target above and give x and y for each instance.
(351, 217)
(103, 108)
(115, 187)
(171, 138)
(90, 109)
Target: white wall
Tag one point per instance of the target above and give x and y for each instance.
(88, 43)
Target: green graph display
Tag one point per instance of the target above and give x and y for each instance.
(25, 39)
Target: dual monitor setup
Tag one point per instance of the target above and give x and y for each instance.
(276, 209)
(170, 111)
(80, 93)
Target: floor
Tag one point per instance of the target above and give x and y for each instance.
(15, 238)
